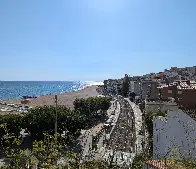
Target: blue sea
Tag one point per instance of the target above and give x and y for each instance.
(17, 89)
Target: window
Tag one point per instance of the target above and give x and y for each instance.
(179, 99)
(179, 92)
(169, 91)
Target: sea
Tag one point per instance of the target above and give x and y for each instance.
(18, 89)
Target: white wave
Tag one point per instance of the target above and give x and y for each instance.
(90, 83)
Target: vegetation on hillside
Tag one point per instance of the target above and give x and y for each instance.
(49, 153)
(48, 148)
(42, 119)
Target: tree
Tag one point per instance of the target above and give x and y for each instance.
(94, 109)
(90, 106)
(125, 86)
(42, 119)
(132, 96)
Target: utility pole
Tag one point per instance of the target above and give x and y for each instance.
(55, 127)
(56, 115)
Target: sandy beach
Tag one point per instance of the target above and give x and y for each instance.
(63, 99)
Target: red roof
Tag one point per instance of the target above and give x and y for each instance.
(160, 164)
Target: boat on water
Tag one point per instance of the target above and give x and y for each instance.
(28, 97)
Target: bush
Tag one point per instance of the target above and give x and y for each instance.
(139, 159)
(48, 153)
(42, 119)
(13, 124)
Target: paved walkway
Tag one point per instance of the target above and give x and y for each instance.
(138, 125)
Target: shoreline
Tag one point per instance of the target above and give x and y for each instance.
(83, 86)
(66, 98)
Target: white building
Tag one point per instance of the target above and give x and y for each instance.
(174, 136)
(134, 87)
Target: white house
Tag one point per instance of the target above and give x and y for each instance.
(174, 135)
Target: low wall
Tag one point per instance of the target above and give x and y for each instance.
(164, 106)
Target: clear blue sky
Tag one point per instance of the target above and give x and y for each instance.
(94, 39)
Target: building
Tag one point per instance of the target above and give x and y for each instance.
(168, 91)
(109, 85)
(191, 70)
(134, 87)
(169, 74)
(143, 88)
(113, 86)
(174, 69)
(118, 86)
(186, 73)
(149, 88)
(183, 92)
(150, 76)
(174, 136)
(135, 78)
(151, 106)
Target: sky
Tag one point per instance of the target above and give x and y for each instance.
(94, 39)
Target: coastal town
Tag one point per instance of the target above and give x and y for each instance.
(151, 116)
(171, 92)
(97, 84)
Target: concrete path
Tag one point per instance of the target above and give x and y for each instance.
(138, 125)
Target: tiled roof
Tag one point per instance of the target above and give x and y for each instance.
(160, 164)
(184, 85)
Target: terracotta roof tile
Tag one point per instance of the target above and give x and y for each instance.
(160, 164)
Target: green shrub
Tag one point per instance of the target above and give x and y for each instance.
(13, 124)
(42, 119)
